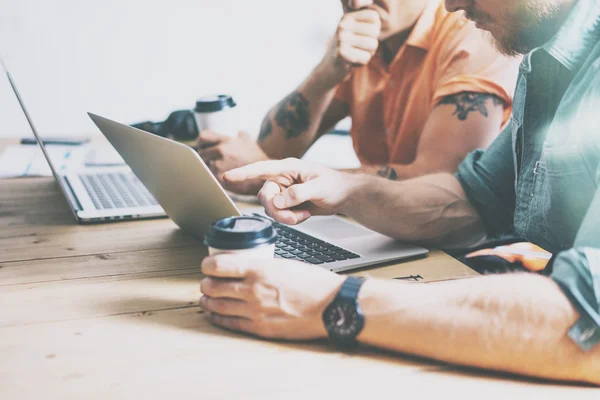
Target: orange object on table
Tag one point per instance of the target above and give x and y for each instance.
(531, 256)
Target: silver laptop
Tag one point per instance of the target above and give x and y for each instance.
(192, 197)
(98, 194)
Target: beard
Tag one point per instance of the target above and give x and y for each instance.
(532, 25)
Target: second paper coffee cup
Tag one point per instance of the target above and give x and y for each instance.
(218, 114)
(251, 236)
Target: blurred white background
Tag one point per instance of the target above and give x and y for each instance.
(136, 60)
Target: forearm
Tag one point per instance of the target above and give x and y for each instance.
(398, 172)
(431, 209)
(292, 125)
(512, 323)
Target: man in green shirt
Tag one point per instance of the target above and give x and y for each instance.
(540, 178)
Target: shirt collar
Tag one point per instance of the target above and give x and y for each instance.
(578, 34)
(422, 34)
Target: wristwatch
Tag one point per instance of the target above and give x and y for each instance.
(343, 317)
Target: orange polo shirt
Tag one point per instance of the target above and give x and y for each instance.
(445, 54)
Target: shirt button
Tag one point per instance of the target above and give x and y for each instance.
(587, 334)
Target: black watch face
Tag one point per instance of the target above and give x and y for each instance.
(343, 319)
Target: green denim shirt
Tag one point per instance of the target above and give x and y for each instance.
(540, 178)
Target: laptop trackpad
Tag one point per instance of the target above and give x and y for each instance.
(333, 228)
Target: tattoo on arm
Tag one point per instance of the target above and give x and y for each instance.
(388, 173)
(468, 102)
(292, 115)
(265, 129)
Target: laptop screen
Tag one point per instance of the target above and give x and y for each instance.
(35, 132)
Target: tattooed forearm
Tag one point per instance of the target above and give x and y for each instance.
(468, 102)
(292, 115)
(265, 129)
(388, 173)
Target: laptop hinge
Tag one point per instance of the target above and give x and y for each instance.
(70, 194)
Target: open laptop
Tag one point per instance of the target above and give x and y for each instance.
(193, 198)
(98, 194)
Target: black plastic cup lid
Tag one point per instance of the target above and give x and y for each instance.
(214, 103)
(240, 233)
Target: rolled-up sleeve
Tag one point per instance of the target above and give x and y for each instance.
(488, 179)
(577, 272)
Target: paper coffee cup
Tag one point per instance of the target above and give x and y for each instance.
(218, 114)
(252, 237)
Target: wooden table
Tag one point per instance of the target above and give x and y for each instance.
(110, 312)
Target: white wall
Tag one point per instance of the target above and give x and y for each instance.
(134, 60)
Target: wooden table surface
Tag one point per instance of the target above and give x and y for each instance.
(110, 311)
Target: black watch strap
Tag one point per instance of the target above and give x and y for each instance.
(348, 294)
(350, 288)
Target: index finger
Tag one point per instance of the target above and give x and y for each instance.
(286, 216)
(226, 266)
(265, 170)
(366, 15)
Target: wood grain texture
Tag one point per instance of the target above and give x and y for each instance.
(38, 224)
(177, 354)
(110, 311)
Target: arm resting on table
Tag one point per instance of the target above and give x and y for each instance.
(514, 323)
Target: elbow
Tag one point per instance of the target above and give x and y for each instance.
(421, 167)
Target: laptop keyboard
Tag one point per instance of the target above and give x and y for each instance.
(120, 190)
(295, 245)
(116, 190)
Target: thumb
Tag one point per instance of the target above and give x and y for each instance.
(297, 194)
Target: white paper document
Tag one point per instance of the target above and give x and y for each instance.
(28, 160)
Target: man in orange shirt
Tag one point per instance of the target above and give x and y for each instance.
(423, 88)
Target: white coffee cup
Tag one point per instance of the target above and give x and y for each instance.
(252, 237)
(217, 114)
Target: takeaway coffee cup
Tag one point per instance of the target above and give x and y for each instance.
(218, 114)
(251, 236)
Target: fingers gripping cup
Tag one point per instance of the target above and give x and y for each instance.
(251, 236)
(217, 114)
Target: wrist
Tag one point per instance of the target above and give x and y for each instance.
(368, 299)
(317, 322)
(327, 76)
(343, 317)
(357, 184)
